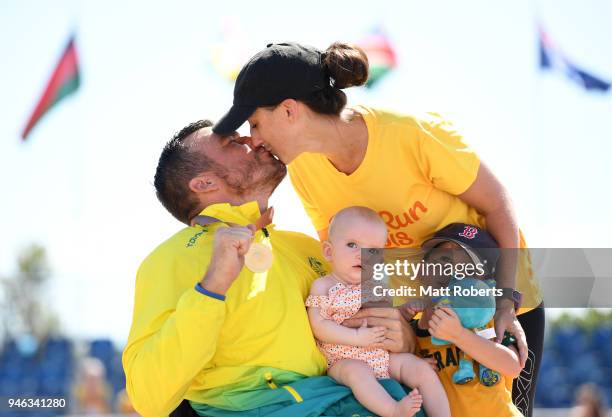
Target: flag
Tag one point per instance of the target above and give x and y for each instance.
(63, 82)
(231, 51)
(381, 55)
(552, 58)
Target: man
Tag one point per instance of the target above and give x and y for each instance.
(205, 328)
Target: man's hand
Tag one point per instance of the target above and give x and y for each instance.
(369, 336)
(444, 324)
(229, 247)
(505, 320)
(399, 336)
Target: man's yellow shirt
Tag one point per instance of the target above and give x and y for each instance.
(184, 344)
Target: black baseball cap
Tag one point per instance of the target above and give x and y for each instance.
(477, 242)
(281, 71)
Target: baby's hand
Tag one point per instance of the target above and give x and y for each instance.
(370, 336)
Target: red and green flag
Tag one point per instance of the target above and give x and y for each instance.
(63, 82)
(381, 55)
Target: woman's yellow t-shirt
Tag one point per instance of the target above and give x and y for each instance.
(412, 172)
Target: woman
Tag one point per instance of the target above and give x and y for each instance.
(417, 173)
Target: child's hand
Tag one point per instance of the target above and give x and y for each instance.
(411, 308)
(444, 324)
(370, 336)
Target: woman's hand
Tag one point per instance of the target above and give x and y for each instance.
(399, 336)
(505, 320)
(444, 324)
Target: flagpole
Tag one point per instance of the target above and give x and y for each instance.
(77, 163)
(541, 190)
(80, 165)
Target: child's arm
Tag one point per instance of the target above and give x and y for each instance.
(445, 324)
(328, 331)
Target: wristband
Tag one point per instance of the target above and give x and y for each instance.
(211, 294)
(514, 295)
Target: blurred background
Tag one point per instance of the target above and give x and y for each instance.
(91, 91)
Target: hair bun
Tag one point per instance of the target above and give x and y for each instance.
(346, 64)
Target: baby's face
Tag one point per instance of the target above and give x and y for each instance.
(343, 249)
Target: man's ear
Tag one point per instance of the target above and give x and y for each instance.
(204, 183)
(327, 250)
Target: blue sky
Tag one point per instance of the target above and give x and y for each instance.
(82, 184)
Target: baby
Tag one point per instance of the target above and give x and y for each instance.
(355, 357)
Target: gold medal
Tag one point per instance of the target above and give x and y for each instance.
(258, 258)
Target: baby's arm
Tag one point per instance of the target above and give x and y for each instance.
(328, 331)
(445, 324)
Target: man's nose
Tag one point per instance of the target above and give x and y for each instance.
(246, 140)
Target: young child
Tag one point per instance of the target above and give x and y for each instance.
(461, 243)
(354, 356)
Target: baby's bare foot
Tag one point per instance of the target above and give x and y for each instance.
(409, 405)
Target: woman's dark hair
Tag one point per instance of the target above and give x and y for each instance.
(347, 66)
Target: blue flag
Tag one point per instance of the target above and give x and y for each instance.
(551, 58)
